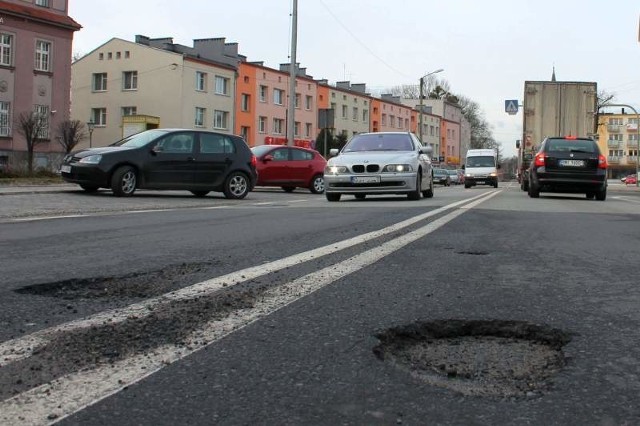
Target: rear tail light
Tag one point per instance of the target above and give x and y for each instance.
(254, 161)
(539, 160)
(602, 162)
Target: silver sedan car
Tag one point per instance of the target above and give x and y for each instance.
(380, 163)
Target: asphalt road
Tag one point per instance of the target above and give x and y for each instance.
(280, 303)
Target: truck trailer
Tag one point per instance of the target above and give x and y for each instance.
(554, 108)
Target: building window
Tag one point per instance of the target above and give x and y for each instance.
(244, 132)
(117, 55)
(383, 119)
(263, 93)
(262, 124)
(344, 111)
(5, 118)
(220, 119)
(100, 82)
(307, 130)
(392, 121)
(200, 117)
(615, 121)
(308, 103)
(6, 50)
(278, 96)
(43, 3)
(42, 115)
(278, 126)
(296, 128)
(129, 110)
(43, 55)
(127, 54)
(365, 115)
(222, 85)
(99, 116)
(355, 114)
(130, 80)
(298, 99)
(201, 81)
(245, 101)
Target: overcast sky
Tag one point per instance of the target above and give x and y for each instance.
(487, 48)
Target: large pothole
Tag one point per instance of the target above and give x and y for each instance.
(481, 358)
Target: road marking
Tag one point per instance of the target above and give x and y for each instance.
(627, 199)
(71, 393)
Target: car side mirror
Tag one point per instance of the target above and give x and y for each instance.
(427, 150)
(267, 158)
(333, 152)
(156, 149)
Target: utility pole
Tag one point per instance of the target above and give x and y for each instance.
(291, 119)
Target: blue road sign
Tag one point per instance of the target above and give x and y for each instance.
(511, 106)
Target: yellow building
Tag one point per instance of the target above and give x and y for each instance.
(618, 140)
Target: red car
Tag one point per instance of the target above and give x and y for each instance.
(290, 167)
(631, 180)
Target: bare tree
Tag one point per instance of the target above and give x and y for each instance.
(32, 126)
(602, 98)
(70, 134)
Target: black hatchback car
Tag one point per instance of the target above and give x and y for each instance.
(178, 159)
(569, 164)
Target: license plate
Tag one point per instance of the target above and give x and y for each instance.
(480, 182)
(571, 163)
(365, 179)
(65, 169)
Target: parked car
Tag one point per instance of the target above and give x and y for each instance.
(454, 177)
(178, 159)
(380, 163)
(631, 180)
(569, 164)
(440, 176)
(290, 167)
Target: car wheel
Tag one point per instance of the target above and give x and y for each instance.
(288, 188)
(236, 186)
(317, 184)
(495, 185)
(89, 188)
(124, 181)
(332, 197)
(525, 185)
(429, 192)
(601, 195)
(415, 195)
(467, 185)
(534, 190)
(199, 194)
(360, 196)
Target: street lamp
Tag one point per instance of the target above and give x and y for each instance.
(422, 96)
(90, 125)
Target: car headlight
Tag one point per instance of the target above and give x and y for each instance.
(91, 159)
(470, 175)
(397, 168)
(494, 174)
(334, 170)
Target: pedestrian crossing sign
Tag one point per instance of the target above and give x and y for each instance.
(511, 106)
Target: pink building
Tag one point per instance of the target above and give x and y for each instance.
(35, 76)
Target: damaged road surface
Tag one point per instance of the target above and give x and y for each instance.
(418, 317)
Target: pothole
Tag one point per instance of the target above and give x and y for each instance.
(473, 252)
(135, 285)
(479, 358)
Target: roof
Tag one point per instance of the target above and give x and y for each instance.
(39, 14)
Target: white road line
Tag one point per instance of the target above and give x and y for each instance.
(71, 393)
(23, 347)
(627, 199)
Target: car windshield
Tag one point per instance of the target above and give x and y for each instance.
(481, 161)
(261, 150)
(380, 142)
(452, 172)
(140, 139)
(571, 145)
(439, 172)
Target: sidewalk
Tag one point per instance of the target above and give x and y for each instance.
(34, 189)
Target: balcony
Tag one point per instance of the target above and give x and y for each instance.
(632, 128)
(632, 144)
(613, 159)
(632, 159)
(613, 128)
(612, 143)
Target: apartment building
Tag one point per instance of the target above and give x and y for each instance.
(451, 130)
(123, 87)
(263, 105)
(391, 115)
(618, 139)
(35, 57)
(430, 125)
(351, 105)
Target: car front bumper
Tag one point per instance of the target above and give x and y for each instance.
(386, 183)
(84, 174)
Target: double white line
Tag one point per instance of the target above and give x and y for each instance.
(73, 392)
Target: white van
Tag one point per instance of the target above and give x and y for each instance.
(481, 168)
